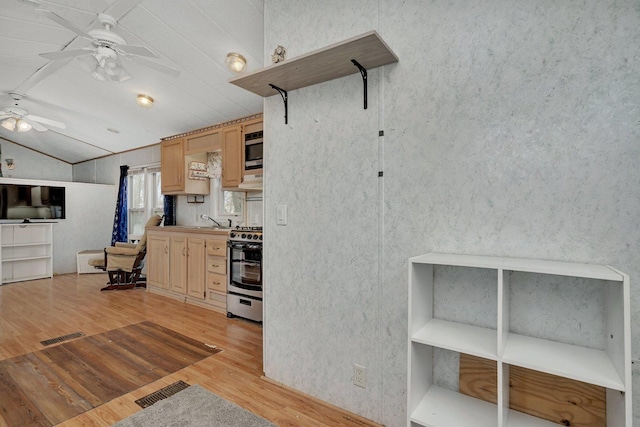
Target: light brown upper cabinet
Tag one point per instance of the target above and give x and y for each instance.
(172, 163)
(175, 169)
(203, 142)
(231, 156)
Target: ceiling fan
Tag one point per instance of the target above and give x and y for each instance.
(102, 57)
(18, 119)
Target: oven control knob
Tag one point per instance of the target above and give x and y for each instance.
(255, 237)
(232, 235)
(244, 235)
(261, 237)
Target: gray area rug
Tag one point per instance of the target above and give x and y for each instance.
(197, 407)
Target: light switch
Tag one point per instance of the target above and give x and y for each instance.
(281, 215)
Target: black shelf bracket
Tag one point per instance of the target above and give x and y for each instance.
(285, 98)
(363, 72)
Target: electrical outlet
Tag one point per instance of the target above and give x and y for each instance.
(359, 376)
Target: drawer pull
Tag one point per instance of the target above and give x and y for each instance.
(215, 265)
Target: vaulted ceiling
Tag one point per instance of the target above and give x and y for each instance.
(101, 118)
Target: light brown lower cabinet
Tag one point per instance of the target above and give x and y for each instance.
(217, 273)
(195, 271)
(188, 266)
(178, 264)
(158, 261)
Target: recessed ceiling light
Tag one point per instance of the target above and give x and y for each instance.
(235, 62)
(144, 100)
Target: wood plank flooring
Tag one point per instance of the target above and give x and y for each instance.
(34, 311)
(65, 380)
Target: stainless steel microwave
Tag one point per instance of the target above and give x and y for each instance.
(253, 151)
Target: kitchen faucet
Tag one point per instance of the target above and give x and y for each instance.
(205, 216)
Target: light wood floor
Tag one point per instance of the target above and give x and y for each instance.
(34, 311)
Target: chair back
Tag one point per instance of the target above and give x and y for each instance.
(155, 220)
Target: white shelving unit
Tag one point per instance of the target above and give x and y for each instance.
(26, 251)
(434, 406)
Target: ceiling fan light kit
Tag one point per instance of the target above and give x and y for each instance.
(18, 119)
(9, 124)
(23, 126)
(235, 62)
(14, 124)
(103, 58)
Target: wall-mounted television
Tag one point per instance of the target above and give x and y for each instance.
(19, 201)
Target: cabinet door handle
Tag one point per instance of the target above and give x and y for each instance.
(184, 251)
(166, 249)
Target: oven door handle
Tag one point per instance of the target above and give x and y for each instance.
(245, 261)
(245, 286)
(250, 246)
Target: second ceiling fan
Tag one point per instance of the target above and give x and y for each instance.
(102, 57)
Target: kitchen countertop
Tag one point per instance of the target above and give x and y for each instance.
(192, 229)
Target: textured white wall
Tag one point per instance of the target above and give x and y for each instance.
(30, 164)
(88, 225)
(322, 284)
(106, 170)
(511, 128)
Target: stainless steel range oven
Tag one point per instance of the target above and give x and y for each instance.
(244, 290)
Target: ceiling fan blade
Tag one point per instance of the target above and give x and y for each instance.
(129, 49)
(60, 20)
(37, 119)
(44, 71)
(156, 66)
(65, 54)
(121, 7)
(4, 116)
(36, 126)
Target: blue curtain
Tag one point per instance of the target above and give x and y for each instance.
(169, 210)
(120, 222)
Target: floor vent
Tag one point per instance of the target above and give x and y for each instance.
(62, 338)
(161, 394)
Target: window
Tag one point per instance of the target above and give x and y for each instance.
(144, 198)
(226, 205)
(232, 203)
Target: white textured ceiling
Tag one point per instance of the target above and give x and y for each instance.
(193, 36)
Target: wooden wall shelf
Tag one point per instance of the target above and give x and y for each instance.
(319, 66)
